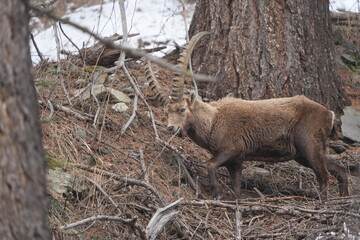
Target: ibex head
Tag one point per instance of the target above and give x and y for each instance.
(180, 114)
(177, 106)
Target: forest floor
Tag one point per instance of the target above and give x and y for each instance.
(126, 178)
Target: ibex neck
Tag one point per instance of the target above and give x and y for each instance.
(201, 123)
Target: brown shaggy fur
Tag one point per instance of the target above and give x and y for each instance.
(272, 130)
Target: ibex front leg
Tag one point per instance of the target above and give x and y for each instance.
(212, 165)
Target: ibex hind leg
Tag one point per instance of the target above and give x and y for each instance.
(213, 164)
(235, 169)
(340, 173)
(312, 156)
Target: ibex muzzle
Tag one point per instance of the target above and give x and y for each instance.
(236, 130)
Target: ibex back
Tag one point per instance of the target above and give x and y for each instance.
(235, 130)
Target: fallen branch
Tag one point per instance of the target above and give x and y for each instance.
(124, 47)
(126, 180)
(132, 117)
(181, 161)
(161, 217)
(131, 222)
(36, 48)
(104, 193)
(69, 111)
(48, 118)
(98, 217)
(261, 207)
(138, 92)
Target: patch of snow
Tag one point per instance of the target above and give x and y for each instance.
(345, 5)
(154, 20)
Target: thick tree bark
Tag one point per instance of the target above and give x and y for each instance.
(23, 201)
(262, 49)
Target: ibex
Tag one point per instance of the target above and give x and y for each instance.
(236, 130)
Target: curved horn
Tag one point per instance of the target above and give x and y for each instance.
(183, 61)
(154, 85)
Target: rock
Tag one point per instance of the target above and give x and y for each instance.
(63, 183)
(337, 36)
(351, 49)
(114, 78)
(128, 90)
(119, 96)
(102, 151)
(92, 69)
(120, 107)
(348, 59)
(99, 89)
(339, 146)
(80, 83)
(89, 160)
(101, 79)
(80, 132)
(351, 124)
(252, 172)
(230, 95)
(86, 93)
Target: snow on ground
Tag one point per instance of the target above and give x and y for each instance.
(154, 20)
(347, 5)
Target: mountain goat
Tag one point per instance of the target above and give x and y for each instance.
(235, 130)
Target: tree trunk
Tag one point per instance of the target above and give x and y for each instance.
(262, 49)
(23, 201)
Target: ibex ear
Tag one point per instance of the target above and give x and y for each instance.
(191, 98)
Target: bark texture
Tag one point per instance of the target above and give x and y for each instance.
(23, 204)
(262, 49)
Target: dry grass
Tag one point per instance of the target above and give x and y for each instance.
(109, 164)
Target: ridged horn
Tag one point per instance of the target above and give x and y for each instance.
(154, 85)
(183, 61)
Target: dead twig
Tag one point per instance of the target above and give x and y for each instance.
(59, 70)
(138, 92)
(48, 118)
(105, 194)
(131, 222)
(36, 48)
(181, 161)
(124, 47)
(159, 220)
(239, 223)
(126, 180)
(143, 166)
(67, 37)
(69, 111)
(132, 117)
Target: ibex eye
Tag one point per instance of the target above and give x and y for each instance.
(181, 110)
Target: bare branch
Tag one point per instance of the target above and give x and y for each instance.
(143, 166)
(36, 48)
(69, 111)
(161, 217)
(48, 118)
(133, 115)
(94, 218)
(120, 178)
(123, 46)
(138, 92)
(57, 40)
(131, 222)
(105, 194)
